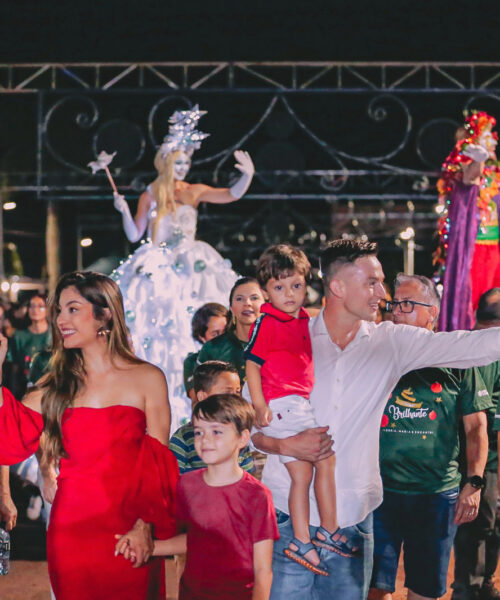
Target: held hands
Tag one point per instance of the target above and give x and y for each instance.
(136, 545)
(467, 504)
(263, 416)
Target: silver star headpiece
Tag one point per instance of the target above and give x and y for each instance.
(182, 133)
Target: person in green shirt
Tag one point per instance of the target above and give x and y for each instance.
(25, 343)
(209, 321)
(476, 543)
(419, 450)
(245, 301)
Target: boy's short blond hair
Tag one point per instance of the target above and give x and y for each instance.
(226, 408)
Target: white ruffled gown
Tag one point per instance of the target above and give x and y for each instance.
(163, 285)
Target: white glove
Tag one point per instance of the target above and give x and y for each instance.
(129, 225)
(476, 152)
(245, 165)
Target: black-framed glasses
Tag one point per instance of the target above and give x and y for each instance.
(405, 306)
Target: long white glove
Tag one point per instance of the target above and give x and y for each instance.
(245, 165)
(129, 226)
(476, 152)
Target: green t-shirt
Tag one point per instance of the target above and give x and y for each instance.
(226, 347)
(39, 366)
(188, 370)
(419, 435)
(491, 377)
(24, 344)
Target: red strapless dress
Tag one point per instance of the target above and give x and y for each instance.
(114, 474)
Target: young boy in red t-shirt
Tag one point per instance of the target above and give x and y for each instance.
(227, 514)
(280, 377)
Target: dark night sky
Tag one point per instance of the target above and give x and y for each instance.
(150, 30)
(111, 30)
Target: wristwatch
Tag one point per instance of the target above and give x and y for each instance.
(476, 481)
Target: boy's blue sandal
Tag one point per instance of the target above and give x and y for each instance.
(338, 546)
(298, 556)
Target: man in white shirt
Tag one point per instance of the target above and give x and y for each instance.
(356, 365)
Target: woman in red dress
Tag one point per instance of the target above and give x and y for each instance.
(106, 417)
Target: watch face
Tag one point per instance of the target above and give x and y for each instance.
(476, 481)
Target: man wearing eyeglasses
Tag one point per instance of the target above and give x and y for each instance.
(419, 449)
(356, 366)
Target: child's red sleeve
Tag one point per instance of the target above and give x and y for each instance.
(257, 348)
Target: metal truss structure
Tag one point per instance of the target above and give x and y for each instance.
(339, 147)
(422, 77)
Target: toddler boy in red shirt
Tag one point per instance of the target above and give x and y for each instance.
(280, 377)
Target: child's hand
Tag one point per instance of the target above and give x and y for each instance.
(263, 416)
(136, 545)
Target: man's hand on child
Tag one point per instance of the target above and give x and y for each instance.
(310, 445)
(263, 416)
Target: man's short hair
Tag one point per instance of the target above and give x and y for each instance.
(488, 309)
(280, 261)
(427, 286)
(226, 408)
(340, 253)
(202, 316)
(205, 375)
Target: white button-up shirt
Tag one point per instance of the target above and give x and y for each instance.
(351, 389)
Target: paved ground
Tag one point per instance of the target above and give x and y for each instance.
(29, 581)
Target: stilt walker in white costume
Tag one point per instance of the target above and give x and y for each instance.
(171, 274)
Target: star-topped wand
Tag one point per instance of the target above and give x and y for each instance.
(103, 160)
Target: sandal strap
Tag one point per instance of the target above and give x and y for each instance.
(327, 534)
(346, 546)
(303, 548)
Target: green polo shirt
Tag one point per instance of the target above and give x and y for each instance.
(419, 435)
(491, 377)
(226, 347)
(190, 365)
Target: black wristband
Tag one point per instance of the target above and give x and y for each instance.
(476, 481)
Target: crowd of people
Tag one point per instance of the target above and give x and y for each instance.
(327, 393)
(165, 381)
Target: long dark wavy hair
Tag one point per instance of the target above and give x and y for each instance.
(66, 372)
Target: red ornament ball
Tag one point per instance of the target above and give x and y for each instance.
(436, 387)
(432, 415)
(385, 421)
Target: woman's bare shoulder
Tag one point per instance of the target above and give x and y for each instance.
(146, 372)
(33, 399)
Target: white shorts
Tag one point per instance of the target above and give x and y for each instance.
(291, 415)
